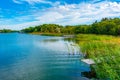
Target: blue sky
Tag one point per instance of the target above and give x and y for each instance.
(19, 14)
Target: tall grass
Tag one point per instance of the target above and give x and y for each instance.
(105, 51)
(47, 34)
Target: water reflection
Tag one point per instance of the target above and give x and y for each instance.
(50, 40)
(69, 44)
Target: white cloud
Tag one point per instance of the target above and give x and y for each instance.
(32, 2)
(81, 13)
(50, 17)
(71, 14)
(37, 1)
(19, 26)
(16, 1)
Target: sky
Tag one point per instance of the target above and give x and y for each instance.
(19, 14)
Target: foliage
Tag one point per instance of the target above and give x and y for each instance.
(106, 26)
(6, 31)
(105, 51)
(45, 28)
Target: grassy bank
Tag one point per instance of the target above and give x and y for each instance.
(47, 34)
(105, 51)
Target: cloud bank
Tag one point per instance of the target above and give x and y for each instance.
(64, 14)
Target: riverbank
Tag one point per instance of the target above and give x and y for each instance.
(47, 34)
(105, 51)
(54, 34)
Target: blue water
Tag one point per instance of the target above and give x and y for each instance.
(35, 57)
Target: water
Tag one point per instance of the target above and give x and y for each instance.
(34, 57)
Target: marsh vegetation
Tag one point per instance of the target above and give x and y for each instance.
(105, 51)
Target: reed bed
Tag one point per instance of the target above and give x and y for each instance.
(105, 51)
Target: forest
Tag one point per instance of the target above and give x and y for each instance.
(106, 26)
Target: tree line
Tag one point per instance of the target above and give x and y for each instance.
(6, 31)
(106, 26)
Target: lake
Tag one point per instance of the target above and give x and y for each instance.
(35, 57)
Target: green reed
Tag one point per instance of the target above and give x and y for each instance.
(105, 51)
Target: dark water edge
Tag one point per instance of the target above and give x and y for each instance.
(34, 57)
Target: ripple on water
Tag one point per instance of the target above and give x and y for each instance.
(28, 57)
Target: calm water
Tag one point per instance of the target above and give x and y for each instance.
(33, 57)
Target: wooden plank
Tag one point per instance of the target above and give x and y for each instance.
(88, 61)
